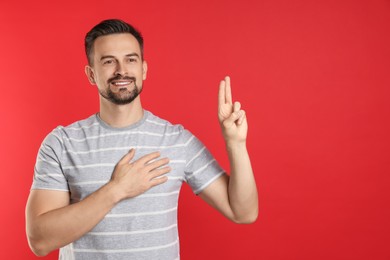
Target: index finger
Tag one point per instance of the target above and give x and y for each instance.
(221, 93)
(127, 157)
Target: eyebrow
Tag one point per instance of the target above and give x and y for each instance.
(113, 57)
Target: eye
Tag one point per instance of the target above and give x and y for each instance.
(132, 60)
(108, 62)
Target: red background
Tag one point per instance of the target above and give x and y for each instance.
(313, 77)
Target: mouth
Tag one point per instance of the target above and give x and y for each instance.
(122, 83)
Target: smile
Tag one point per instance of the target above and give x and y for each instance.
(122, 83)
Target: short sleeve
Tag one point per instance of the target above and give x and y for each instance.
(201, 167)
(48, 173)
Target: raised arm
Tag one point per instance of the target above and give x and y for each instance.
(52, 222)
(235, 196)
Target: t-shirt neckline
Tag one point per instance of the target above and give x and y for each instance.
(125, 128)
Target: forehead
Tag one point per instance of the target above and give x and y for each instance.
(116, 45)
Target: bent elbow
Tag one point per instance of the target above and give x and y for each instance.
(37, 247)
(39, 251)
(249, 218)
(246, 220)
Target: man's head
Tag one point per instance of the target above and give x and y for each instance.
(115, 61)
(107, 27)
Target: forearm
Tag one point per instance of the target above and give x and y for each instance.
(242, 189)
(59, 227)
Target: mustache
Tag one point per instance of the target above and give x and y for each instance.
(119, 77)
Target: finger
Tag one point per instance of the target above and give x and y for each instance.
(228, 91)
(127, 157)
(221, 93)
(242, 118)
(232, 119)
(157, 163)
(146, 158)
(159, 172)
(157, 181)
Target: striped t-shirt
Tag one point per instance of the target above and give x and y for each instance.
(81, 157)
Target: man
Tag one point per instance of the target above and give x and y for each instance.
(107, 187)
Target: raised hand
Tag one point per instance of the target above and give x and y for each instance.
(231, 118)
(134, 178)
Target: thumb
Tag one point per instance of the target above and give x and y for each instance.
(128, 157)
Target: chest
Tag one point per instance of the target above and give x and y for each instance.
(88, 164)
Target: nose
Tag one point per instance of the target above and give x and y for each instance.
(120, 69)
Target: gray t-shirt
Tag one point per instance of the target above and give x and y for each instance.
(81, 157)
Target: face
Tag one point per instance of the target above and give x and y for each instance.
(118, 69)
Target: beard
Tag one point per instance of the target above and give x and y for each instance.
(123, 96)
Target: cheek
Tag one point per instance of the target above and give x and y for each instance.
(103, 77)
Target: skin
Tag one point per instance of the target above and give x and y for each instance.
(52, 222)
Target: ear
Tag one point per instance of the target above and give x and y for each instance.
(90, 74)
(144, 69)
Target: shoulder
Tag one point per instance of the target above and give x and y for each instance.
(61, 133)
(163, 127)
(154, 122)
(80, 125)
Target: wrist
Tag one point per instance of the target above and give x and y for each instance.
(112, 192)
(233, 145)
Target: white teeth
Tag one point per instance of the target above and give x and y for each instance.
(122, 83)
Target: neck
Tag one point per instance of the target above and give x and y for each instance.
(121, 115)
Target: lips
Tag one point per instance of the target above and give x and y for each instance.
(122, 83)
